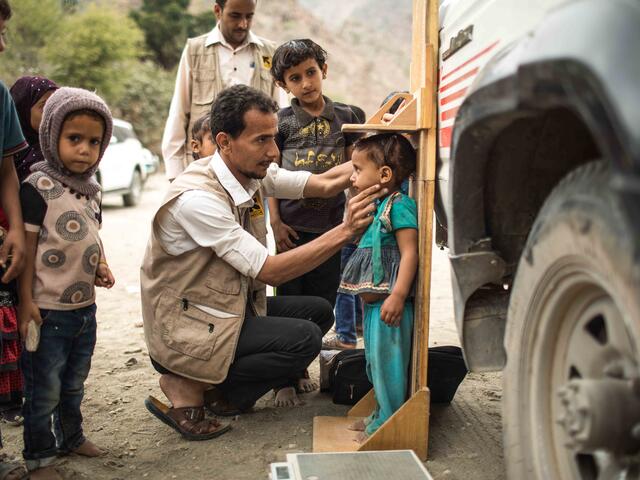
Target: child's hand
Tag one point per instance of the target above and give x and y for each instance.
(104, 277)
(391, 310)
(13, 248)
(27, 311)
(283, 234)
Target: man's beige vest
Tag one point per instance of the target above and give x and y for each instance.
(206, 81)
(180, 336)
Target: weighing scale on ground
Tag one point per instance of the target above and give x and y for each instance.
(400, 464)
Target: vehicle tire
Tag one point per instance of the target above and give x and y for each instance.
(571, 405)
(132, 198)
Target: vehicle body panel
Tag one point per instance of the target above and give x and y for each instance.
(531, 69)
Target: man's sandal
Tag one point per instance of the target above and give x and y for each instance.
(190, 422)
(12, 471)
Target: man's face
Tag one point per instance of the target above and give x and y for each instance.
(249, 155)
(235, 20)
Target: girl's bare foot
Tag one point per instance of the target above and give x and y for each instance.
(361, 437)
(89, 449)
(358, 426)
(286, 397)
(45, 473)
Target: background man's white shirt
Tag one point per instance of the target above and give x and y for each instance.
(236, 66)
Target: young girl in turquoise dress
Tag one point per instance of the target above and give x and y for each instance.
(382, 272)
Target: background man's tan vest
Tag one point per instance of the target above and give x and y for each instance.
(207, 81)
(180, 336)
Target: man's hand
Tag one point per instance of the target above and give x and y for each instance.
(283, 234)
(361, 209)
(13, 248)
(27, 311)
(391, 310)
(104, 277)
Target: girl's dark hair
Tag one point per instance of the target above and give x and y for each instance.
(293, 53)
(392, 150)
(201, 126)
(5, 10)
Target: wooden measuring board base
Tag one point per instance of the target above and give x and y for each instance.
(408, 429)
(332, 434)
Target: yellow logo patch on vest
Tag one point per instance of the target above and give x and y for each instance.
(258, 209)
(266, 62)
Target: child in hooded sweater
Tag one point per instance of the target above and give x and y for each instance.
(65, 261)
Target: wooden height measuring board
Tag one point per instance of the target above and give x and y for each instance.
(408, 428)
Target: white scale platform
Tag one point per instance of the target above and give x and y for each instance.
(381, 465)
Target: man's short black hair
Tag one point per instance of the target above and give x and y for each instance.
(293, 53)
(223, 3)
(229, 107)
(5, 10)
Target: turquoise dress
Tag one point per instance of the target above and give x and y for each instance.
(373, 268)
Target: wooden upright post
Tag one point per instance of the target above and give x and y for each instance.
(425, 46)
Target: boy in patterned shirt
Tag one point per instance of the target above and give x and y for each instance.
(310, 139)
(65, 261)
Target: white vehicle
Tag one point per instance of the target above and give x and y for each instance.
(123, 169)
(539, 204)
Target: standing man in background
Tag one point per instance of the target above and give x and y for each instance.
(228, 55)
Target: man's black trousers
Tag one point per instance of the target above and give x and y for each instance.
(273, 351)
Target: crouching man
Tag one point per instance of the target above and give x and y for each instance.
(207, 319)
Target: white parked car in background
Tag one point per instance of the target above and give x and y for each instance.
(123, 169)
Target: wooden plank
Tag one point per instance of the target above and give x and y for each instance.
(405, 119)
(425, 193)
(331, 434)
(419, 39)
(425, 186)
(407, 429)
(365, 406)
(376, 127)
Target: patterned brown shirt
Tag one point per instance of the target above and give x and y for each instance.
(69, 246)
(315, 144)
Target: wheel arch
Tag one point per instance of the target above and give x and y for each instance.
(538, 110)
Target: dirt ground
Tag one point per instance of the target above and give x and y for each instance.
(465, 438)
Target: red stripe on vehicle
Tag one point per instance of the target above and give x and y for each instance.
(452, 83)
(475, 57)
(445, 137)
(453, 96)
(447, 114)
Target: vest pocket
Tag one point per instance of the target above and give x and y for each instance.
(223, 278)
(266, 82)
(203, 86)
(188, 330)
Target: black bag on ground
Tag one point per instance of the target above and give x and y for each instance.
(349, 383)
(348, 377)
(445, 372)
